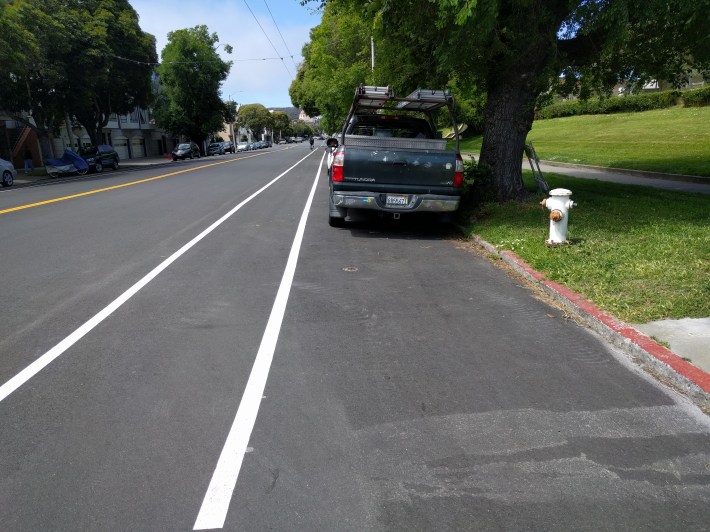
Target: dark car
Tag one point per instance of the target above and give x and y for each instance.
(215, 148)
(229, 147)
(99, 157)
(186, 150)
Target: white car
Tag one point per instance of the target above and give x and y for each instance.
(7, 173)
(242, 146)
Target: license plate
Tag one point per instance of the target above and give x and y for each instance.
(397, 200)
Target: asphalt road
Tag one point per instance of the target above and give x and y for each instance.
(183, 348)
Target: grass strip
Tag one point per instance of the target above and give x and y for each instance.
(640, 253)
(674, 140)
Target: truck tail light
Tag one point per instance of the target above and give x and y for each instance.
(338, 160)
(458, 172)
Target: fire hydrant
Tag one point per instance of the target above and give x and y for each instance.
(559, 203)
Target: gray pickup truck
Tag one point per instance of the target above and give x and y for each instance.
(390, 157)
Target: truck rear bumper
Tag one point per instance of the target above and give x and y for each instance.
(409, 202)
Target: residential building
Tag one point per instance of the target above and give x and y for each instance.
(133, 135)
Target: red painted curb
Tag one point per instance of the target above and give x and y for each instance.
(683, 368)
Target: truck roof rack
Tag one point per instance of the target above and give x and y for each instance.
(425, 100)
(422, 100)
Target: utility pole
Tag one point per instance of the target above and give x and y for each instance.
(372, 52)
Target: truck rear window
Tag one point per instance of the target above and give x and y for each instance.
(390, 126)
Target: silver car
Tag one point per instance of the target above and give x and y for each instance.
(7, 173)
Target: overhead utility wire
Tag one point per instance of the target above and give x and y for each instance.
(192, 62)
(267, 38)
(282, 37)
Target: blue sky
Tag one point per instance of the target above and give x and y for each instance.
(256, 76)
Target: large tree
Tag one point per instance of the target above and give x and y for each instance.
(255, 117)
(514, 50)
(77, 59)
(281, 124)
(33, 77)
(191, 74)
(336, 60)
(110, 64)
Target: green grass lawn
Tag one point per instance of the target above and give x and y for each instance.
(640, 253)
(675, 140)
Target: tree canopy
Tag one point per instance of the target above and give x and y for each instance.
(508, 52)
(255, 117)
(110, 67)
(281, 123)
(67, 58)
(191, 74)
(336, 60)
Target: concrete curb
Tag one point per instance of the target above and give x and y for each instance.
(662, 362)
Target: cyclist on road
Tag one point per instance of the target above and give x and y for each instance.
(311, 142)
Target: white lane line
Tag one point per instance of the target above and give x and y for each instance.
(42, 362)
(215, 505)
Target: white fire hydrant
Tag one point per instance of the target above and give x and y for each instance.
(559, 203)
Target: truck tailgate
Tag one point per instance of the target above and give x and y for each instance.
(396, 161)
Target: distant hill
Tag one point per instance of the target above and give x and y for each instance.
(292, 112)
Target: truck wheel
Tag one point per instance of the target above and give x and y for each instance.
(336, 222)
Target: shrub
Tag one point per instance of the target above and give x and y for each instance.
(616, 104)
(478, 185)
(697, 97)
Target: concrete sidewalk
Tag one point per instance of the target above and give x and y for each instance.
(127, 165)
(675, 182)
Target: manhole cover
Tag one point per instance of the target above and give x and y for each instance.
(350, 269)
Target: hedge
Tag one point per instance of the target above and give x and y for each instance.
(626, 104)
(697, 97)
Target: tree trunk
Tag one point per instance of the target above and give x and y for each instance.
(513, 87)
(508, 116)
(45, 145)
(93, 120)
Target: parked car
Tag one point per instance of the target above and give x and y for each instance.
(99, 157)
(7, 173)
(215, 148)
(228, 146)
(187, 150)
(69, 163)
(243, 146)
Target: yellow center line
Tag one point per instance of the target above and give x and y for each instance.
(106, 189)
